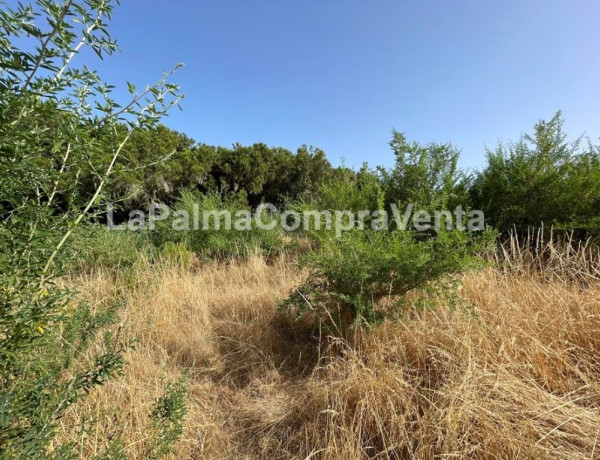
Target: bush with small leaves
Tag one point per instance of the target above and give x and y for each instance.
(59, 127)
(350, 275)
(167, 419)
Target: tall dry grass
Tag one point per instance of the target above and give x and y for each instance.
(511, 371)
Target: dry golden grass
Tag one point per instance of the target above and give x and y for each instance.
(513, 371)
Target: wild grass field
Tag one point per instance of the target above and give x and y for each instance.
(374, 332)
(508, 367)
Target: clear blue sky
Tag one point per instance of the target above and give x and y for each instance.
(339, 74)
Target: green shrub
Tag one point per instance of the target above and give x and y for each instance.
(541, 179)
(96, 246)
(351, 274)
(214, 242)
(350, 191)
(346, 191)
(167, 420)
(427, 176)
(42, 334)
(59, 128)
(176, 253)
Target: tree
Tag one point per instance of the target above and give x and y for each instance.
(244, 168)
(157, 163)
(426, 176)
(540, 179)
(57, 123)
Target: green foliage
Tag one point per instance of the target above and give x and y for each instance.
(580, 200)
(346, 190)
(351, 191)
(96, 246)
(243, 168)
(60, 128)
(176, 253)
(297, 176)
(351, 274)
(156, 162)
(214, 240)
(426, 176)
(167, 418)
(541, 179)
(42, 333)
(159, 164)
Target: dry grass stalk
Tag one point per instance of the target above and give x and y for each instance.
(514, 372)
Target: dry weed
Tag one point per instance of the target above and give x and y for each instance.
(514, 372)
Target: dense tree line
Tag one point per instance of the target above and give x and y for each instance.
(541, 179)
(159, 164)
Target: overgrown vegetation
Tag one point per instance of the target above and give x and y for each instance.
(216, 241)
(352, 274)
(541, 179)
(59, 128)
(510, 371)
(349, 365)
